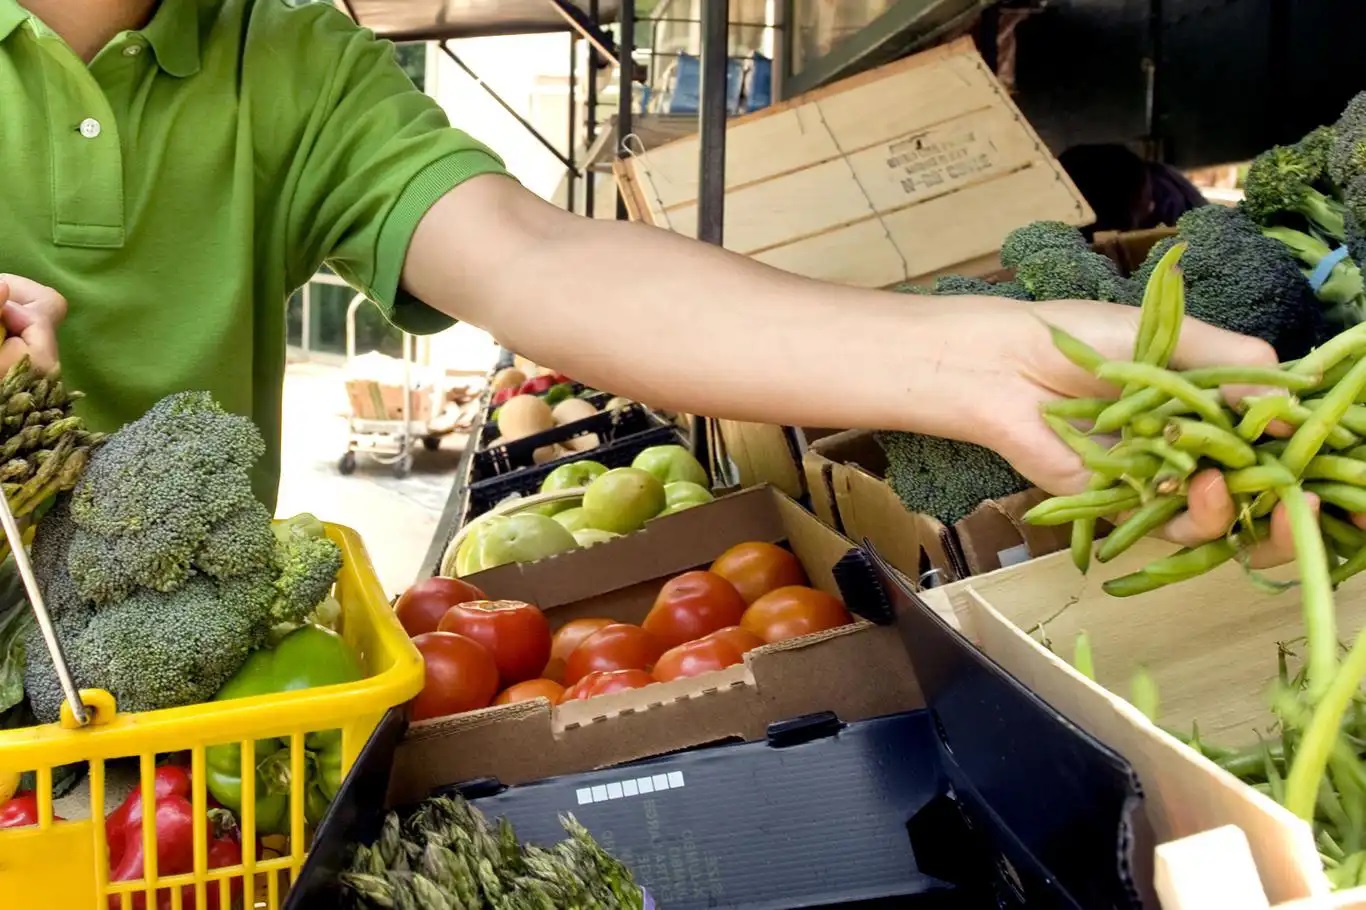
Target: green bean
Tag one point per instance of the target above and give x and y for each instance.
(1164, 306)
(1316, 592)
(1142, 522)
(1214, 377)
(1354, 418)
(1060, 510)
(1075, 439)
(1274, 447)
(1342, 532)
(1351, 343)
(1170, 383)
(1320, 735)
(1084, 531)
(1183, 462)
(1259, 414)
(1210, 441)
(1121, 412)
(1258, 479)
(1335, 375)
(1343, 495)
(1350, 568)
(1148, 424)
(1174, 407)
(1336, 467)
(1178, 567)
(1076, 350)
(1082, 656)
(1077, 408)
(1143, 693)
(1297, 415)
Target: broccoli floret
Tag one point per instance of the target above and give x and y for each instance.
(1347, 156)
(154, 491)
(1282, 181)
(1070, 274)
(239, 544)
(307, 564)
(944, 478)
(1240, 280)
(159, 650)
(41, 685)
(1024, 242)
(1354, 199)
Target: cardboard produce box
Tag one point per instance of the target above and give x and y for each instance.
(1210, 644)
(845, 474)
(769, 454)
(915, 169)
(858, 671)
(371, 400)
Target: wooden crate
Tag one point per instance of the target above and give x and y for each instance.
(898, 174)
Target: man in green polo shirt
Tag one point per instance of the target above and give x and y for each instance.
(175, 168)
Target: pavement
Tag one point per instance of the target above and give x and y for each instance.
(396, 518)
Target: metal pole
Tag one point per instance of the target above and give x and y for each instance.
(590, 127)
(626, 45)
(572, 172)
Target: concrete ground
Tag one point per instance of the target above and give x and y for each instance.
(396, 518)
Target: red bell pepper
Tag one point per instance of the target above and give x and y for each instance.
(502, 395)
(21, 811)
(175, 823)
(537, 385)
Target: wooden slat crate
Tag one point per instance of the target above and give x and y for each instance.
(901, 173)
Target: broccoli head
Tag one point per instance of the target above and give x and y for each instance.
(944, 478)
(1240, 280)
(1057, 273)
(307, 564)
(1354, 198)
(1282, 181)
(153, 493)
(1024, 242)
(1347, 156)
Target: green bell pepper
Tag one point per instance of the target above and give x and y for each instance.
(305, 659)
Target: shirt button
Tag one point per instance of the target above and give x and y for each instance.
(132, 50)
(90, 128)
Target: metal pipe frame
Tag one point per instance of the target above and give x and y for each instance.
(590, 131)
(587, 26)
(626, 102)
(572, 172)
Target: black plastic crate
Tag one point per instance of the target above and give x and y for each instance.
(485, 494)
(520, 453)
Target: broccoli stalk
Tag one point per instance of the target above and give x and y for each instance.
(1343, 287)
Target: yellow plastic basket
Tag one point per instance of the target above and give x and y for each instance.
(62, 865)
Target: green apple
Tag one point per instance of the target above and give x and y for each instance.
(671, 464)
(623, 499)
(525, 537)
(683, 494)
(570, 476)
(587, 537)
(467, 557)
(575, 519)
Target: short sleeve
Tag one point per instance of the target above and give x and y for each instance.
(361, 154)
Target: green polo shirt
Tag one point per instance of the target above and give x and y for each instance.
(178, 188)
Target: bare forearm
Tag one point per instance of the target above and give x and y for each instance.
(653, 316)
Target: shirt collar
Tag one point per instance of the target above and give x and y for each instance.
(173, 34)
(12, 15)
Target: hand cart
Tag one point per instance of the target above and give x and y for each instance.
(389, 441)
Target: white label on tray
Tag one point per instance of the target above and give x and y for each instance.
(1013, 556)
(601, 793)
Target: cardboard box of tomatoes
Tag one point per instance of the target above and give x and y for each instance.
(643, 649)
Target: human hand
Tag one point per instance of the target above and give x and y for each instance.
(1034, 372)
(31, 314)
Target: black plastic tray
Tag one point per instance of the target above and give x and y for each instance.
(485, 494)
(520, 453)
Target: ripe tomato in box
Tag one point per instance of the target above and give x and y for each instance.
(607, 682)
(693, 658)
(692, 605)
(740, 638)
(460, 675)
(516, 633)
(792, 612)
(757, 568)
(568, 637)
(532, 689)
(421, 607)
(615, 647)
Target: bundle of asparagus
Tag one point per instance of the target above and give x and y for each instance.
(44, 447)
(446, 856)
(1171, 425)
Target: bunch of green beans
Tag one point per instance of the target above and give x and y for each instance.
(1163, 428)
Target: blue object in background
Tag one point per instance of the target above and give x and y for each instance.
(685, 98)
(760, 94)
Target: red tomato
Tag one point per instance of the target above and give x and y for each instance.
(757, 568)
(614, 647)
(606, 682)
(793, 611)
(692, 605)
(461, 675)
(530, 690)
(693, 658)
(421, 607)
(739, 638)
(568, 637)
(516, 632)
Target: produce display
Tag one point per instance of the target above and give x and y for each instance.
(525, 406)
(495, 652)
(662, 480)
(446, 856)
